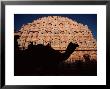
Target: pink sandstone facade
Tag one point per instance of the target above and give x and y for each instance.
(59, 32)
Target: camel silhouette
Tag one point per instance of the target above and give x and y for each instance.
(40, 55)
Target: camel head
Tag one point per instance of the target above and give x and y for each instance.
(71, 47)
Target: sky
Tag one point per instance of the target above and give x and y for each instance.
(87, 19)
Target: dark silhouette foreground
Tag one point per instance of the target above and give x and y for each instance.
(44, 60)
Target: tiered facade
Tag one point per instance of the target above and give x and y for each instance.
(59, 32)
